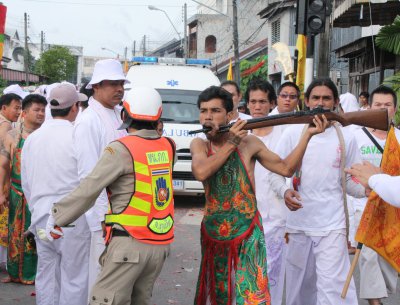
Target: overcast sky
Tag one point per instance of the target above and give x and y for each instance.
(93, 24)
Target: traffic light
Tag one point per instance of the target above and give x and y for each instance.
(316, 16)
(311, 16)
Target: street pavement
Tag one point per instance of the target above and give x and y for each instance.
(177, 282)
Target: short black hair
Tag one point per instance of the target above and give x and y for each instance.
(87, 92)
(327, 82)
(364, 94)
(263, 85)
(231, 83)
(383, 90)
(289, 84)
(33, 99)
(6, 99)
(62, 112)
(138, 125)
(216, 92)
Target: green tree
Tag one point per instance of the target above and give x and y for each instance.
(57, 63)
(388, 39)
(262, 72)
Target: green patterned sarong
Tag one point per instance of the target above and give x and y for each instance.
(21, 255)
(234, 264)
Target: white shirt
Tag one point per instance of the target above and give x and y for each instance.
(387, 187)
(320, 188)
(49, 168)
(92, 133)
(274, 111)
(369, 153)
(272, 208)
(242, 116)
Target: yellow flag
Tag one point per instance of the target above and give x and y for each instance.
(229, 76)
(301, 46)
(126, 66)
(379, 227)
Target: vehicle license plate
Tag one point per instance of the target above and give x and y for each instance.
(177, 184)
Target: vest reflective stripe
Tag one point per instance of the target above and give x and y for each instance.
(127, 220)
(141, 168)
(149, 215)
(140, 204)
(143, 187)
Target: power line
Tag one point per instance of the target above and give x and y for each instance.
(95, 4)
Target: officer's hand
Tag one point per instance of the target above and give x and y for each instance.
(53, 231)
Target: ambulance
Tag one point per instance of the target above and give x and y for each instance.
(179, 82)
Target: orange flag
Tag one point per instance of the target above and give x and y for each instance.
(379, 227)
(229, 76)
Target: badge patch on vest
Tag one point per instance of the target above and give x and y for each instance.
(161, 179)
(161, 226)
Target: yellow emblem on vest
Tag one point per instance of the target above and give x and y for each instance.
(157, 157)
(161, 182)
(161, 226)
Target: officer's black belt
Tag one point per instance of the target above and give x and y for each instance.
(116, 232)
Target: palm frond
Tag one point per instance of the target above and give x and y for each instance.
(388, 37)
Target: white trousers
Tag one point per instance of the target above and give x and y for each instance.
(97, 247)
(62, 270)
(276, 256)
(377, 276)
(316, 270)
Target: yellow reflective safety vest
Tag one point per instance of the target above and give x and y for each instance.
(149, 215)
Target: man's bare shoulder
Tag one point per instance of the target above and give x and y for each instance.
(197, 142)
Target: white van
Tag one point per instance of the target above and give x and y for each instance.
(179, 82)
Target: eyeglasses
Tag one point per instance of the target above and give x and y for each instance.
(290, 96)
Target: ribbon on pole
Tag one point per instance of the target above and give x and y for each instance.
(229, 76)
(301, 46)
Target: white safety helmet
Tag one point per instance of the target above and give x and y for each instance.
(141, 104)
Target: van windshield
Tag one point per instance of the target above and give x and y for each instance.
(179, 106)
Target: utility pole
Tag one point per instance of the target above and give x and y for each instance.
(26, 53)
(126, 54)
(324, 56)
(41, 42)
(236, 42)
(144, 45)
(185, 36)
(134, 48)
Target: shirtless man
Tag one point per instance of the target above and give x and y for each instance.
(233, 267)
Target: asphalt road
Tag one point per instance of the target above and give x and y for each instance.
(177, 282)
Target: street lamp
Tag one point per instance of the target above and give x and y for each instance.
(153, 8)
(106, 49)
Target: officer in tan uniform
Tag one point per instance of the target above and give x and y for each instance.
(137, 171)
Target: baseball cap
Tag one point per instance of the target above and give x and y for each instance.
(16, 89)
(64, 96)
(107, 69)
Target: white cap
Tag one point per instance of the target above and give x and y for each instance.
(64, 96)
(107, 69)
(349, 102)
(16, 89)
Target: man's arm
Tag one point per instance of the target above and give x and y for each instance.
(387, 187)
(109, 167)
(5, 160)
(204, 166)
